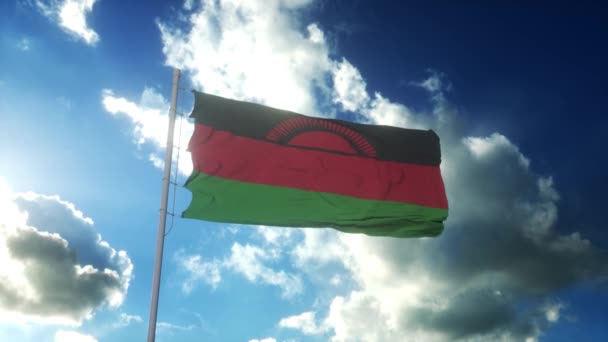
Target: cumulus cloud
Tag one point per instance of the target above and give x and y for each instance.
(250, 50)
(71, 16)
(72, 336)
(349, 86)
(150, 120)
(56, 267)
(246, 260)
(198, 270)
(487, 277)
(275, 236)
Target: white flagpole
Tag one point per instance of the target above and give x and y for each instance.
(160, 239)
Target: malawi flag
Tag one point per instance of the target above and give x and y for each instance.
(264, 166)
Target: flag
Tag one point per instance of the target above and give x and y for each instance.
(264, 166)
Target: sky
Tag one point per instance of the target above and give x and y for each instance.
(515, 92)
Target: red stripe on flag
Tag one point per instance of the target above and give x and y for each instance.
(222, 154)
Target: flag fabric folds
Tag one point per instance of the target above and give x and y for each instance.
(264, 166)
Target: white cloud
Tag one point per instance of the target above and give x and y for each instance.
(336, 280)
(198, 327)
(72, 336)
(156, 161)
(346, 314)
(188, 5)
(282, 65)
(267, 339)
(304, 322)
(384, 112)
(125, 320)
(484, 147)
(71, 15)
(246, 260)
(150, 120)
(349, 87)
(208, 272)
(552, 312)
(168, 328)
(149, 116)
(435, 83)
(275, 235)
(313, 250)
(56, 267)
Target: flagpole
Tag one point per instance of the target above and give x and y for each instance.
(160, 238)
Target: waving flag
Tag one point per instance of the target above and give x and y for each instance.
(259, 165)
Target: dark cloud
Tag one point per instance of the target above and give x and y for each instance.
(500, 250)
(52, 214)
(476, 313)
(60, 268)
(62, 285)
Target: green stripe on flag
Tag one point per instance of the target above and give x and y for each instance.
(223, 200)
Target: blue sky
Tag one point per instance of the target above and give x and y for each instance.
(516, 93)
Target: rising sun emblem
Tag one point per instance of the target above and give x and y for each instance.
(320, 134)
